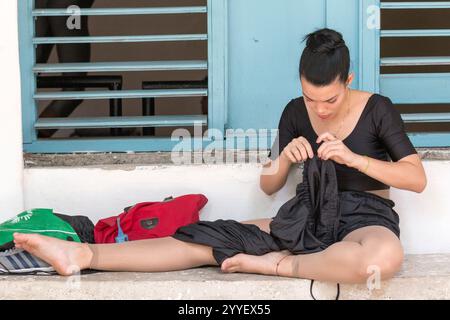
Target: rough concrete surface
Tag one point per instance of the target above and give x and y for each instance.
(422, 277)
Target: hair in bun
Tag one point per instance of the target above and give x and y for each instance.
(325, 58)
(324, 41)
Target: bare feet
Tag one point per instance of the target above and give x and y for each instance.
(66, 257)
(266, 264)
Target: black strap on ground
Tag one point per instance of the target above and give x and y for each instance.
(337, 295)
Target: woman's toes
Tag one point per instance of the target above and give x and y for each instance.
(226, 265)
(28, 242)
(230, 265)
(19, 238)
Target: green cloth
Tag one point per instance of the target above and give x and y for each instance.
(37, 221)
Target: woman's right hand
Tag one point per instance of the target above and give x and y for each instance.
(298, 150)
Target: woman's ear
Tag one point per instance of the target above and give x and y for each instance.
(350, 79)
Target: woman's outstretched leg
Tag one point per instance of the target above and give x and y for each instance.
(361, 253)
(154, 255)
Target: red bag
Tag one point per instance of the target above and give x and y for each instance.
(151, 219)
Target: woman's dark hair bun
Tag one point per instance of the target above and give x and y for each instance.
(324, 41)
(325, 58)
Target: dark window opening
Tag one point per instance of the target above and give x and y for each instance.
(185, 68)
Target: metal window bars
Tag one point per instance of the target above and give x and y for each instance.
(418, 88)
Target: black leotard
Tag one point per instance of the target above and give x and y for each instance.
(379, 134)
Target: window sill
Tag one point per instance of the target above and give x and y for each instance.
(161, 158)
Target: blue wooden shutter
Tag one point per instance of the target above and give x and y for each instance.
(217, 77)
(418, 88)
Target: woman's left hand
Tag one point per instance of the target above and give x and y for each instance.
(335, 149)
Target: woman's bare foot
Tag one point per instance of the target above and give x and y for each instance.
(266, 264)
(66, 257)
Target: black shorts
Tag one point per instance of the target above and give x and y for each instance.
(362, 209)
(228, 237)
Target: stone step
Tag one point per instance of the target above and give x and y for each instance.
(422, 277)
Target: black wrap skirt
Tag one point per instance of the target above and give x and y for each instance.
(318, 216)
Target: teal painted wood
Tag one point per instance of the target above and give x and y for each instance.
(119, 11)
(369, 33)
(264, 55)
(122, 94)
(121, 122)
(420, 140)
(426, 88)
(264, 60)
(415, 33)
(345, 20)
(217, 59)
(114, 145)
(122, 66)
(121, 39)
(27, 61)
(417, 88)
(217, 64)
(260, 58)
(426, 117)
(428, 140)
(415, 5)
(415, 61)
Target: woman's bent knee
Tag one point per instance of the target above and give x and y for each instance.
(385, 262)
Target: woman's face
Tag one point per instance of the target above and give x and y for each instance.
(326, 102)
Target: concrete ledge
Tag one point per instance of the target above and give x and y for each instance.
(164, 158)
(422, 277)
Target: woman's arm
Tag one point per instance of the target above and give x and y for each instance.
(407, 173)
(274, 175)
